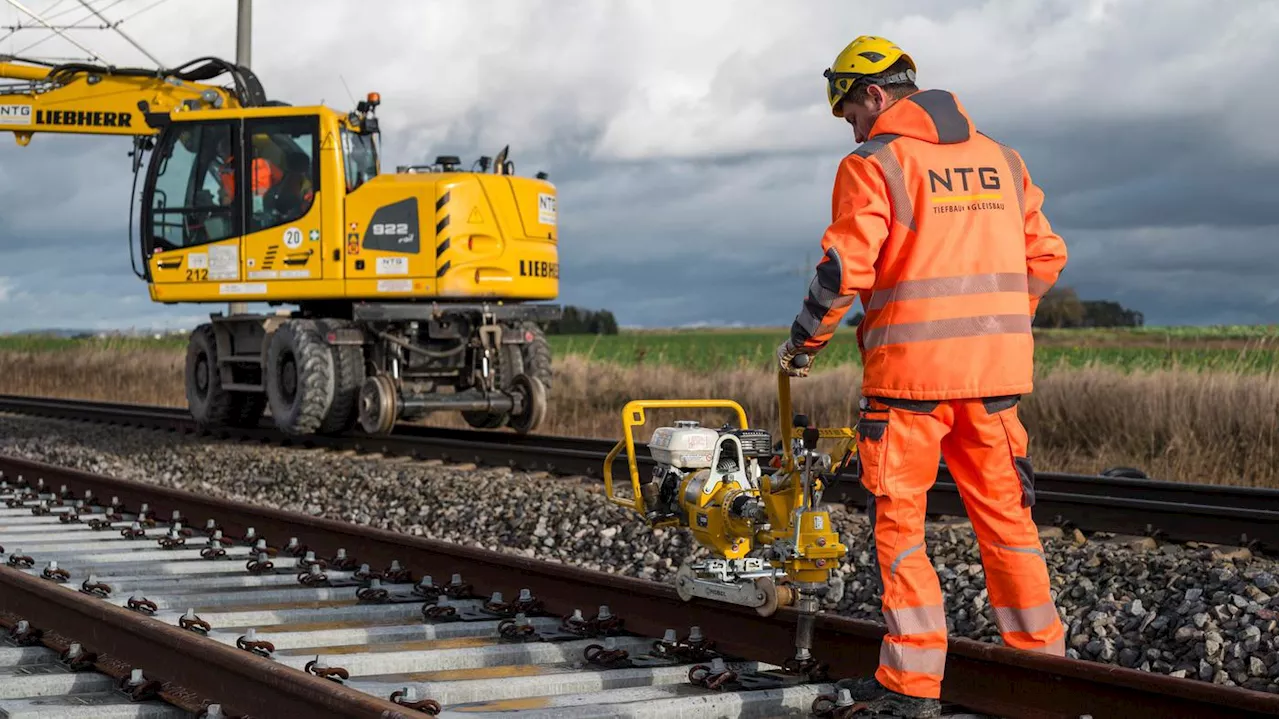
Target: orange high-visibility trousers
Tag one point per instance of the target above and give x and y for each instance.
(985, 447)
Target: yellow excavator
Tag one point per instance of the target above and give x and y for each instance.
(417, 291)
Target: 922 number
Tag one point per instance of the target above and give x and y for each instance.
(197, 275)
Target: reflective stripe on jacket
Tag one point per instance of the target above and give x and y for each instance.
(939, 230)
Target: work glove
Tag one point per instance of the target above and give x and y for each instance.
(793, 360)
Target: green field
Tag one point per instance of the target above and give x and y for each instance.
(1240, 349)
(1248, 349)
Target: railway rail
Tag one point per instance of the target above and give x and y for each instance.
(1174, 511)
(136, 600)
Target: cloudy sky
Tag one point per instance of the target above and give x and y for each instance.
(691, 143)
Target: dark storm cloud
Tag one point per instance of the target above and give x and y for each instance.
(1212, 274)
(61, 193)
(657, 292)
(1164, 172)
(694, 167)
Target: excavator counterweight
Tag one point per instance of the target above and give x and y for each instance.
(416, 291)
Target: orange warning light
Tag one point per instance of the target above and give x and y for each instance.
(374, 98)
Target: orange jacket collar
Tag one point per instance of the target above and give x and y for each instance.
(935, 116)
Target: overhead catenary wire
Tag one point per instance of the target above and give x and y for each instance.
(104, 24)
(50, 15)
(23, 8)
(46, 38)
(116, 27)
(135, 14)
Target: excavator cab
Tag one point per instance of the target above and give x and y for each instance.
(212, 180)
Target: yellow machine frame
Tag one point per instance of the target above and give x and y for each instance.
(817, 546)
(782, 516)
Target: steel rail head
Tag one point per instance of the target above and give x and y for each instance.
(980, 676)
(242, 682)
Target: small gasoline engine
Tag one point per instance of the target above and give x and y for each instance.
(754, 504)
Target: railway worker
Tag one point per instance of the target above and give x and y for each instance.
(939, 230)
(264, 174)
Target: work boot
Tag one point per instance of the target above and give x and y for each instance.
(879, 701)
(901, 706)
(863, 689)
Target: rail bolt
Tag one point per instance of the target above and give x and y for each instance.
(319, 668)
(408, 697)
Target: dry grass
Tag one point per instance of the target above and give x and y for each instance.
(1205, 427)
(142, 376)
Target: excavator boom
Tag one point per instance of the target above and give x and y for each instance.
(80, 98)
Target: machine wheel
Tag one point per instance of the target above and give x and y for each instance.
(299, 377)
(536, 354)
(534, 405)
(533, 358)
(769, 591)
(378, 405)
(212, 406)
(348, 376)
(684, 582)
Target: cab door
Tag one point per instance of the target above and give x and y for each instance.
(191, 226)
(282, 213)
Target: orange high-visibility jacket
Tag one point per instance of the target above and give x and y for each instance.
(939, 230)
(264, 175)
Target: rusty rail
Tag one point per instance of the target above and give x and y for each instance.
(980, 676)
(242, 682)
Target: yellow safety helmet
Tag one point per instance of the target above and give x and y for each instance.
(863, 61)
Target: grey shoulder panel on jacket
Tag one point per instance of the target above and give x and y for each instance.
(874, 145)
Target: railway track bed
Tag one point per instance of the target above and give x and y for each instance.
(243, 620)
(1125, 505)
(1204, 613)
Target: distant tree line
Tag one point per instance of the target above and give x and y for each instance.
(579, 321)
(1061, 308)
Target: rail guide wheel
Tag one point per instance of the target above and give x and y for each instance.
(379, 405)
(533, 403)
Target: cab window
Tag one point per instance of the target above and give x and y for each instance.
(282, 170)
(193, 199)
(359, 159)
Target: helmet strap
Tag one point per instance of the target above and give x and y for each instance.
(904, 76)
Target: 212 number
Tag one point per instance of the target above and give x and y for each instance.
(197, 275)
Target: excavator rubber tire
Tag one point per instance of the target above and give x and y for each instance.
(536, 355)
(211, 406)
(299, 377)
(348, 376)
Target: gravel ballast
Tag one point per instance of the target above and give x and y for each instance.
(1189, 611)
